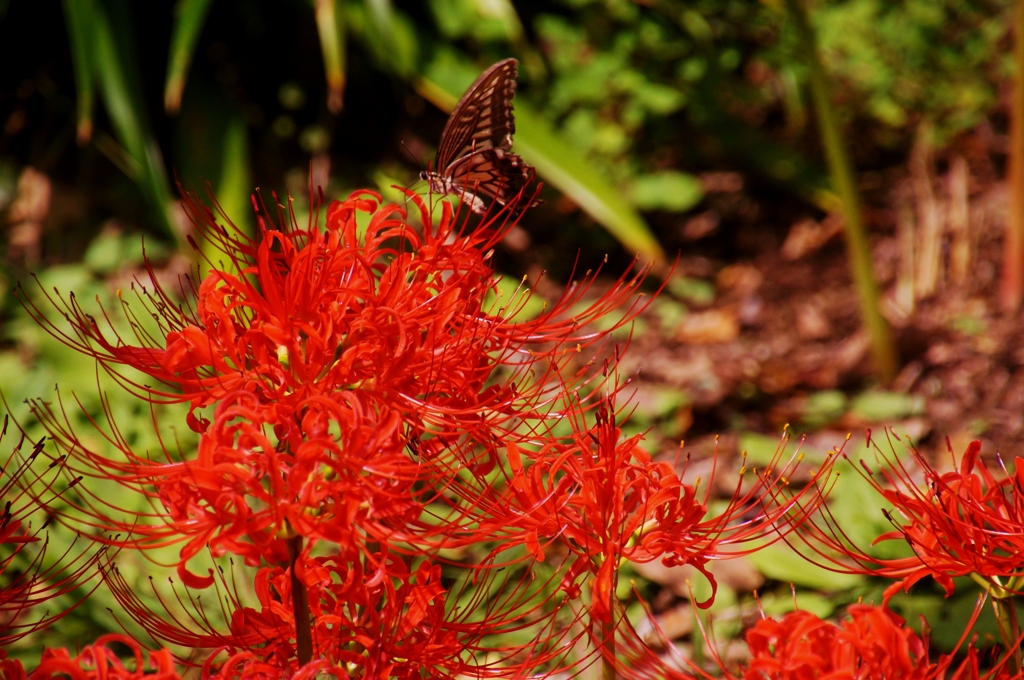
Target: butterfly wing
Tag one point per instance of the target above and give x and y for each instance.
(474, 158)
(483, 118)
(495, 173)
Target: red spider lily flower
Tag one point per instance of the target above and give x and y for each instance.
(28, 578)
(873, 643)
(96, 662)
(965, 522)
(349, 367)
(394, 627)
(367, 620)
(247, 666)
(604, 499)
(397, 317)
(351, 385)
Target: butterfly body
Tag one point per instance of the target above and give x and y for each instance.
(475, 159)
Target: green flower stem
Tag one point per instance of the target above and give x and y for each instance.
(608, 668)
(608, 628)
(1006, 615)
(1009, 630)
(1011, 288)
(993, 589)
(300, 605)
(883, 348)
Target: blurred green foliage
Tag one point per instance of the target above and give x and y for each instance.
(901, 64)
(637, 98)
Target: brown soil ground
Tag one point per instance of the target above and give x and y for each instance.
(784, 328)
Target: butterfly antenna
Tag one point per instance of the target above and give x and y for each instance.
(412, 156)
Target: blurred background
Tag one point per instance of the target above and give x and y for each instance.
(685, 132)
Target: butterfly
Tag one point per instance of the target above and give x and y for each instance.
(475, 157)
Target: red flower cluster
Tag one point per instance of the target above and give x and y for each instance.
(966, 522)
(97, 660)
(873, 643)
(606, 500)
(347, 368)
(367, 410)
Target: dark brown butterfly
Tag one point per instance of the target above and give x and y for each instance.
(475, 157)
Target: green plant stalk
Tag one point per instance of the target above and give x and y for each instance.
(841, 169)
(1009, 629)
(1011, 287)
(300, 605)
(608, 668)
(608, 633)
(1006, 614)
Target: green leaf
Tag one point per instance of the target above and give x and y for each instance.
(946, 617)
(881, 407)
(514, 299)
(332, 44)
(385, 181)
(823, 408)
(234, 186)
(211, 134)
(18, 385)
(857, 506)
(666, 402)
(567, 170)
(80, 18)
(189, 16)
(107, 252)
(778, 561)
(761, 449)
(668, 190)
(388, 35)
(669, 312)
(969, 325)
(692, 290)
(114, 58)
(485, 20)
(777, 604)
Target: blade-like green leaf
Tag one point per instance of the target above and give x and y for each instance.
(189, 16)
(558, 164)
(332, 45)
(389, 35)
(80, 17)
(235, 183)
(566, 169)
(113, 61)
(211, 140)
